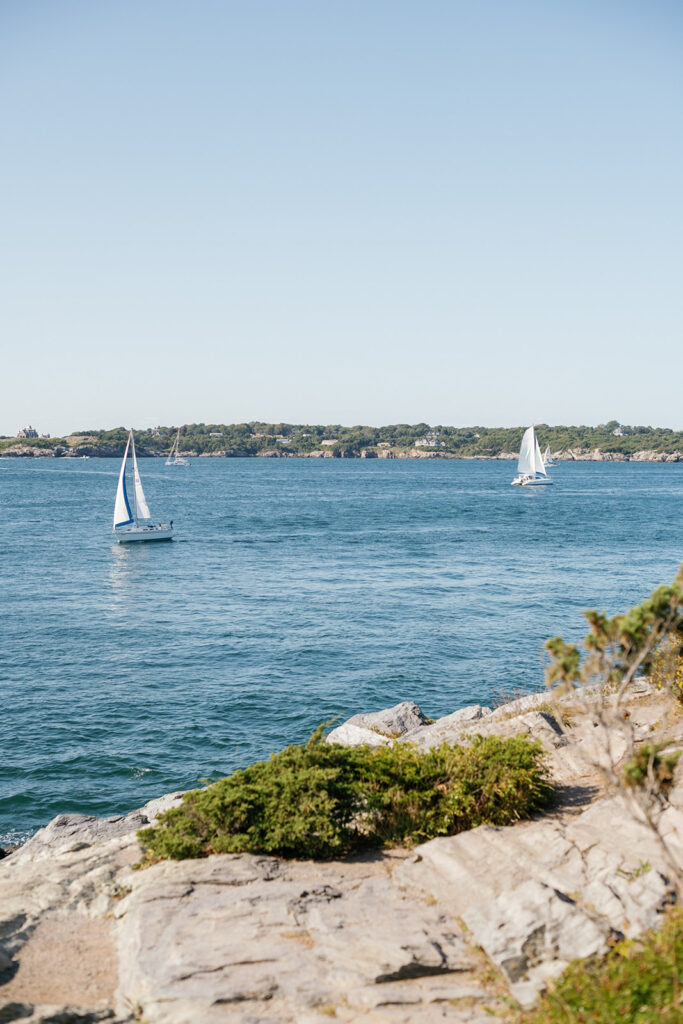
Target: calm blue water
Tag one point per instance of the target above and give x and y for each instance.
(296, 590)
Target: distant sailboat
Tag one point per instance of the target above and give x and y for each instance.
(531, 468)
(174, 458)
(548, 459)
(135, 523)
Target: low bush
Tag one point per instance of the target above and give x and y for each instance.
(638, 982)
(323, 800)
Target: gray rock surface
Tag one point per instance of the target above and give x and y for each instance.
(394, 721)
(393, 937)
(378, 727)
(289, 941)
(539, 894)
(450, 725)
(350, 735)
(519, 706)
(79, 831)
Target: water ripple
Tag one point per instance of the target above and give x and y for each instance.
(297, 590)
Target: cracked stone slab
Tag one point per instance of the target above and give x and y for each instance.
(539, 894)
(285, 939)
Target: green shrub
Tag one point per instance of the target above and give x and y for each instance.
(649, 765)
(638, 982)
(323, 800)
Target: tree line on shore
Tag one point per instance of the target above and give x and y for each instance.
(302, 439)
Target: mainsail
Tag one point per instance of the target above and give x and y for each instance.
(141, 506)
(122, 513)
(527, 453)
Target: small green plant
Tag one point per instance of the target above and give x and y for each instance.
(637, 982)
(323, 800)
(649, 766)
(642, 869)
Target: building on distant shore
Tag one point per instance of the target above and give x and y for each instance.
(330, 440)
(27, 432)
(429, 441)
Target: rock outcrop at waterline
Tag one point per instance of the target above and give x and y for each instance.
(396, 936)
(115, 451)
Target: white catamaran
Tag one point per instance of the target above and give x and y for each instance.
(136, 523)
(548, 459)
(174, 457)
(531, 467)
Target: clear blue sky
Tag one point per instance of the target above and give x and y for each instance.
(356, 211)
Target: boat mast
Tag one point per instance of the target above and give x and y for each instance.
(135, 497)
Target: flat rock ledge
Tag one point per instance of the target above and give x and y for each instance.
(395, 937)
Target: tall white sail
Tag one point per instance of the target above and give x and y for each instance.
(527, 454)
(539, 464)
(141, 506)
(122, 513)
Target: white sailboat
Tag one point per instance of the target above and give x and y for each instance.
(530, 467)
(174, 458)
(548, 459)
(131, 524)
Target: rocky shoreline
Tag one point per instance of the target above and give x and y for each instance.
(447, 931)
(116, 451)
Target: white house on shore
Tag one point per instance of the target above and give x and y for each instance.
(27, 432)
(429, 441)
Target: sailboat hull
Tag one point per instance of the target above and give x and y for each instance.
(144, 533)
(539, 482)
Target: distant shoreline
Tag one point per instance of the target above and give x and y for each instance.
(19, 451)
(608, 442)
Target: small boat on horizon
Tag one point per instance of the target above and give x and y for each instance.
(531, 471)
(135, 524)
(174, 457)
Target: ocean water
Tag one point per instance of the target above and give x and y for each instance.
(295, 591)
